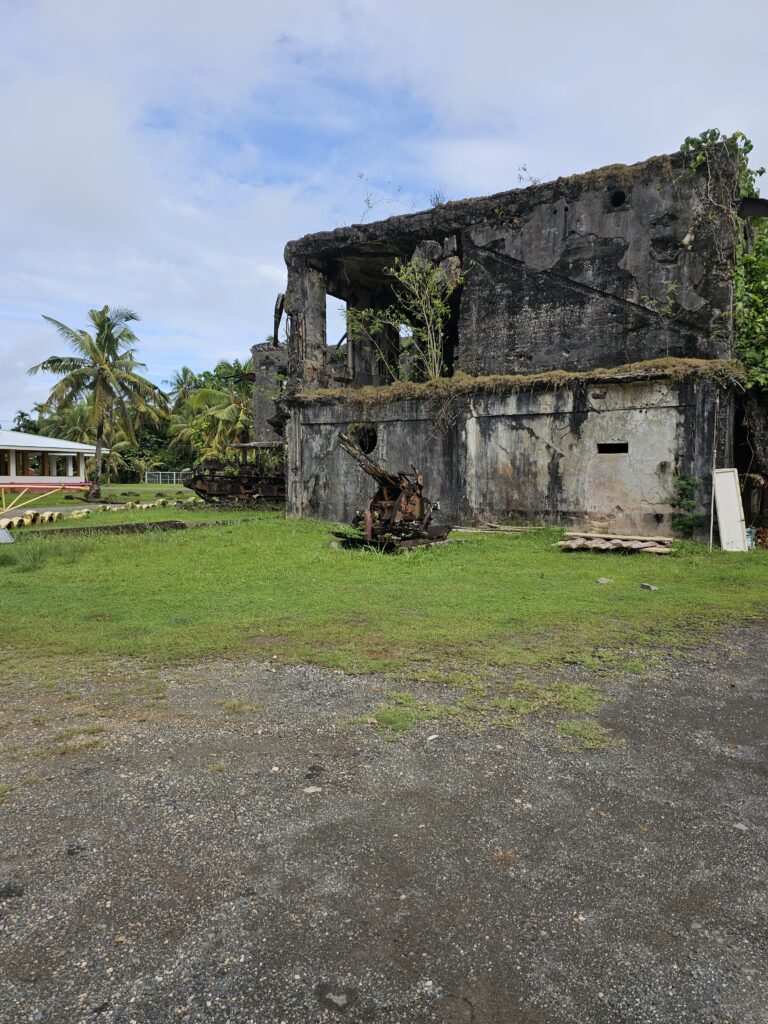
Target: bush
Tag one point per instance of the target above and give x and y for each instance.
(685, 516)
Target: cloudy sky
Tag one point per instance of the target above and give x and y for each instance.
(159, 153)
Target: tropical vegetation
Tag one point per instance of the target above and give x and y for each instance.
(211, 410)
(417, 316)
(101, 399)
(100, 386)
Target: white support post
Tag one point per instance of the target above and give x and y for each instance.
(70, 465)
(12, 463)
(81, 467)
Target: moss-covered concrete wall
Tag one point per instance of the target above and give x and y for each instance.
(598, 454)
(622, 264)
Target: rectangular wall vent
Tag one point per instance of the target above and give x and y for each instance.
(613, 448)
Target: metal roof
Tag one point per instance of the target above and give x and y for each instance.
(38, 443)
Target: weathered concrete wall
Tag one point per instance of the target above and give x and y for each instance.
(574, 280)
(617, 265)
(526, 456)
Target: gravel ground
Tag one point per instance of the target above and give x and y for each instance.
(227, 863)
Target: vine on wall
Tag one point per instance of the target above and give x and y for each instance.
(718, 156)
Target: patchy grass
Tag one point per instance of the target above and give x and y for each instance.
(68, 734)
(585, 734)
(63, 749)
(116, 493)
(6, 790)
(473, 609)
(404, 711)
(239, 707)
(501, 705)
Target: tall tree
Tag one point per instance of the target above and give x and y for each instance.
(181, 385)
(26, 423)
(72, 423)
(218, 412)
(104, 371)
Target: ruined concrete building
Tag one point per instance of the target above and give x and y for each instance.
(586, 353)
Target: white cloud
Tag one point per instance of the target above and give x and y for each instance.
(159, 154)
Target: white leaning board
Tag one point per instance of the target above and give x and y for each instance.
(730, 512)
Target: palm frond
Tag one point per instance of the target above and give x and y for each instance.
(59, 365)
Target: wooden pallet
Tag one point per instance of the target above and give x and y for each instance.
(614, 542)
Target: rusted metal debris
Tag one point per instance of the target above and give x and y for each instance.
(255, 476)
(612, 542)
(398, 516)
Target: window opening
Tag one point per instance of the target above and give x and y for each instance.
(339, 353)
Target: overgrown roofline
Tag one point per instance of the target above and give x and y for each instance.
(451, 216)
(725, 372)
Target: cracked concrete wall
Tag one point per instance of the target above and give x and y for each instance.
(574, 274)
(528, 456)
(615, 266)
(575, 281)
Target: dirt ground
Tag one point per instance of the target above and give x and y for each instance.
(220, 862)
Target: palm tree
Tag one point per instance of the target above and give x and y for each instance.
(72, 423)
(218, 412)
(233, 369)
(182, 383)
(104, 370)
(219, 416)
(27, 423)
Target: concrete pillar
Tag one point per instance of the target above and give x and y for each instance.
(305, 305)
(294, 481)
(70, 467)
(81, 467)
(12, 463)
(268, 363)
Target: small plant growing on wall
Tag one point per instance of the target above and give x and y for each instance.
(419, 315)
(685, 517)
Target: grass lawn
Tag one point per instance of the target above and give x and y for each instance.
(112, 494)
(263, 585)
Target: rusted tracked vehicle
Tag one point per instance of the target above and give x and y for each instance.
(256, 475)
(398, 516)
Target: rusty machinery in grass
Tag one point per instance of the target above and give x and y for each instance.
(253, 472)
(256, 474)
(398, 516)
